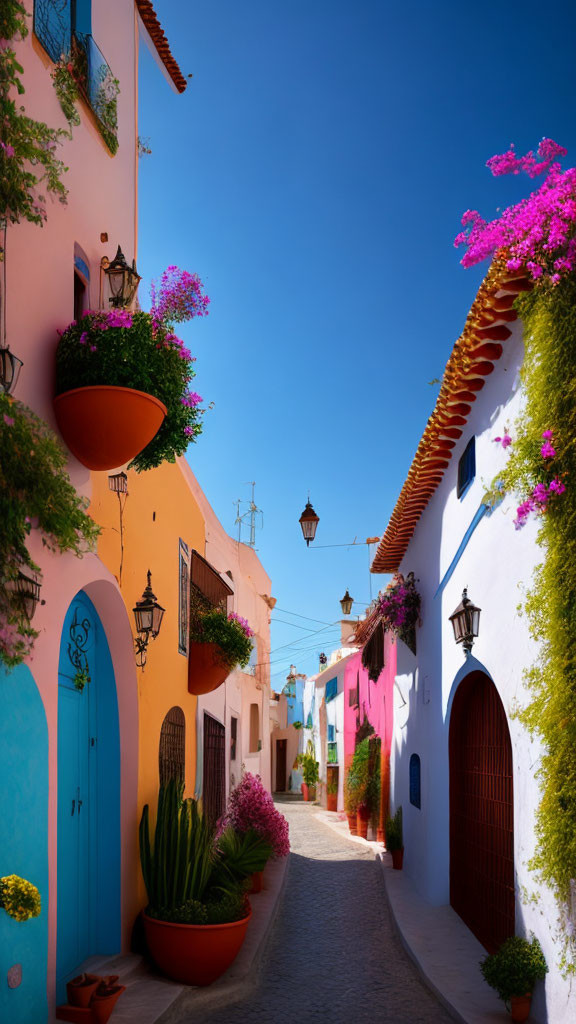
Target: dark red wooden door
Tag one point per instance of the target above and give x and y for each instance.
(481, 812)
(214, 781)
(281, 766)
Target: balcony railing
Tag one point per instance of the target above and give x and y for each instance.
(98, 85)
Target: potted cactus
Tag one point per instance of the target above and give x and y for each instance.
(198, 911)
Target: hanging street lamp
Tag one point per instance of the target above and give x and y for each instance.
(26, 591)
(346, 603)
(10, 367)
(122, 279)
(309, 521)
(148, 615)
(466, 622)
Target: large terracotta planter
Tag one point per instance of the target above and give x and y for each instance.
(332, 802)
(205, 671)
(362, 826)
(520, 1008)
(304, 788)
(106, 426)
(352, 824)
(397, 859)
(194, 954)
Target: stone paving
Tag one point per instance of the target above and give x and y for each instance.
(334, 955)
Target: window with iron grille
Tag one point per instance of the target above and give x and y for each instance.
(466, 467)
(415, 792)
(183, 598)
(332, 753)
(172, 750)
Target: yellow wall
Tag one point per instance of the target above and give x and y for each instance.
(159, 510)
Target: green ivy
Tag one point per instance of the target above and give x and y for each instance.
(549, 377)
(35, 493)
(28, 162)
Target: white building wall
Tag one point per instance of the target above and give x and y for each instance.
(496, 564)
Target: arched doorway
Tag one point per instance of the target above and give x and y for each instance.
(481, 812)
(88, 794)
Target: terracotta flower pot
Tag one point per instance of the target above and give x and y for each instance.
(520, 1007)
(81, 989)
(305, 791)
(194, 954)
(352, 824)
(106, 426)
(74, 1014)
(361, 826)
(256, 880)
(205, 671)
(380, 837)
(104, 1002)
(332, 802)
(397, 859)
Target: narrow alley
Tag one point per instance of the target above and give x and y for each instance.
(334, 953)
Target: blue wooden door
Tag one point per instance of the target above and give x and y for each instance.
(88, 794)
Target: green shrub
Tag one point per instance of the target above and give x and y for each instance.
(19, 898)
(394, 831)
(515, 968)
(230, 636)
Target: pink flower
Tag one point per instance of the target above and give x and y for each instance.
(250, 806)
(8, 149)
(556, 486)
(505, 441)
(243, 623)
(547, 434)
(8, 420)
(547, 451)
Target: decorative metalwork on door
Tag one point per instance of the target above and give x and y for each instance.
(172, 750)
(81, 639)
(481, 812)
(214, 787)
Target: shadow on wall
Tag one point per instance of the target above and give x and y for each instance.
(23, 844)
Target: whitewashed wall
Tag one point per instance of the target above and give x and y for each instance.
(496, 565)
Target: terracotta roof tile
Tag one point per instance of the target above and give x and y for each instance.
(472, 360)
(158, 37)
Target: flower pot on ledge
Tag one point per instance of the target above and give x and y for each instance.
(194, 954)
(205, 671)
(106, 426)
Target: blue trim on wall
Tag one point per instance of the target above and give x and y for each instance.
(482, 511)
(24, 842)
(82, 267)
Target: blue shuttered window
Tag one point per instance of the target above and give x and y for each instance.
(415, 795)
(331, 689)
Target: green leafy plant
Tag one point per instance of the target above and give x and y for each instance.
(549, 378)
(66, 88)
(35, 494)
(515, 968)
(19, 898)
(297, 725)
(30, 169)
(242, 854)
(309, 765)
(131, 350)
(332, 788)
(227, 633)
(357, 776)
(81, 678)
(373, 786)
(394, 831)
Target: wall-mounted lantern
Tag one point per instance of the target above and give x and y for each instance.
(26, 590)
(309, 521)
(10, 367)
(346, 603)
(123, 280)
(466, 622)
(148, 615)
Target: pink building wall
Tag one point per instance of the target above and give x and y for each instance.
(375, 699)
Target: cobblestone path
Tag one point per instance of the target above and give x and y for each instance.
(333, 955)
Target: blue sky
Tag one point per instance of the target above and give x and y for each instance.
(314, 174)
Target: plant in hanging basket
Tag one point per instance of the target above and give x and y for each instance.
(218, 642)
(19, 898)
(513, 971)
(123, 381)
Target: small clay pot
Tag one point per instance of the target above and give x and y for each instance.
(397, 859)
(520, 1007)
(361, 826)
(105, 999)
(81, 989)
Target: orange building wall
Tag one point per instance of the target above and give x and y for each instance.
(159, 511)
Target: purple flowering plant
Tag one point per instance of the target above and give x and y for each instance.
(399, 606)
(537, 234)
(533, 464)
(250, 806)
(134, 349)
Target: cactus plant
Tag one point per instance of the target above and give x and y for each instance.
(179, 867)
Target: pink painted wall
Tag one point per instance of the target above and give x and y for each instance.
(375, 699)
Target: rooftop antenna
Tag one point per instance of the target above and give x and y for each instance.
(251, 512)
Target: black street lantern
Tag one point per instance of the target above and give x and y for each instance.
(148, 615)
(10, 367)
(309, 521)
(346, 603)
(123, 280)
(26, 592)
(466, 622)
